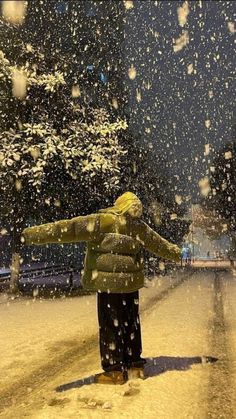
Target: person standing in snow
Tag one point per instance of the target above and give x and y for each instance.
(183, 255)
(114, 268)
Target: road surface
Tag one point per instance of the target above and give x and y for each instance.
(189, 340)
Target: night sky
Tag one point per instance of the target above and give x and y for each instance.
(181, 101)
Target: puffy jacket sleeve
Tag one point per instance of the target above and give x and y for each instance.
(154, 243)
(77, 229)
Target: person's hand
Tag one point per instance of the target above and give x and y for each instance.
(177, 251)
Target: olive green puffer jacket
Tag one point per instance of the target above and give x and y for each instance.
(113, 261)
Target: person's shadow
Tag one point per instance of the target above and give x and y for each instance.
(153, 367)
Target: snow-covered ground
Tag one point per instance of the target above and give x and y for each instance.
(185, 317)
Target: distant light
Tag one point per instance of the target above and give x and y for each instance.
(61, 7)
(90, 8)
(103, 78)
(90, 68)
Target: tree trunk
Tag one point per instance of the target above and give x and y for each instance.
(15, 272)
(15, 262)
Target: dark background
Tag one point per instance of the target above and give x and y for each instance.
(177, 104)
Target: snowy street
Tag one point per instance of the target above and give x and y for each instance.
(186, 318)
(117, 177)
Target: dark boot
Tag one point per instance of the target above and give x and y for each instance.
(135, 373)
(111, 377)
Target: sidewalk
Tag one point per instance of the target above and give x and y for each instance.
(211, 263)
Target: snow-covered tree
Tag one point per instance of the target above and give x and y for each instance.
(54, 152)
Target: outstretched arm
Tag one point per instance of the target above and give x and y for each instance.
(154, 243)
(77, 229)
